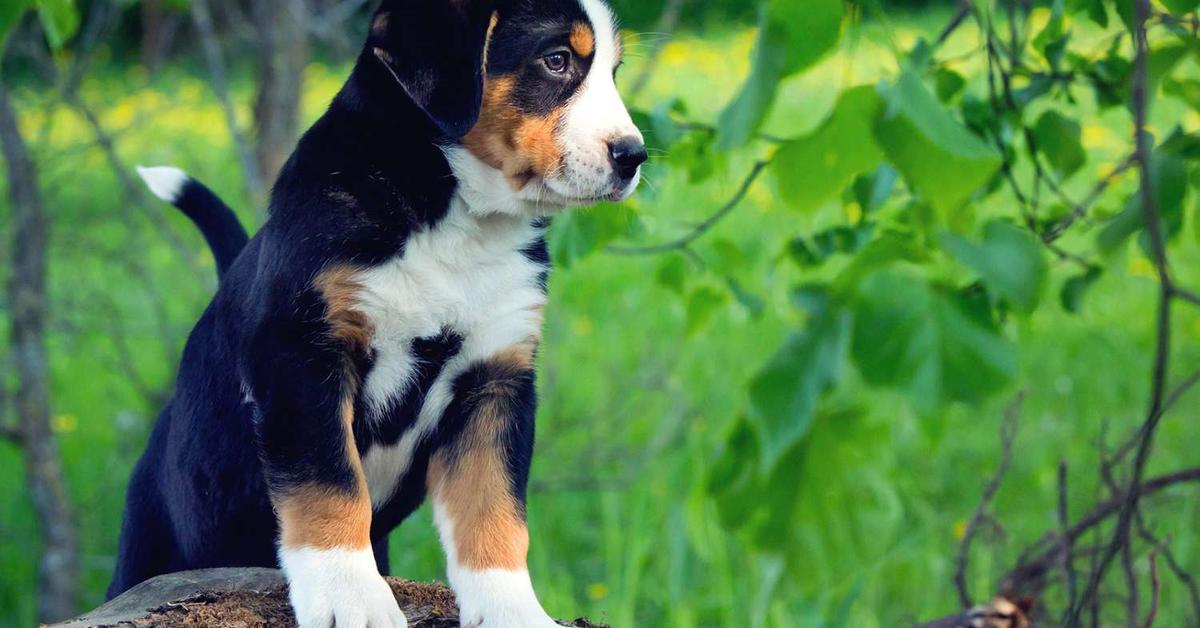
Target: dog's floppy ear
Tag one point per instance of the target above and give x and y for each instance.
(435, 50)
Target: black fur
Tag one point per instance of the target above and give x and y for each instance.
(218, 223)
(256, 410)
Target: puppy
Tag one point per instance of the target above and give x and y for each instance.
(374, 343)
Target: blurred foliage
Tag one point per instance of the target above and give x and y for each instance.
(784, 415)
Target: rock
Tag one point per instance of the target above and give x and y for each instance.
(248, 598)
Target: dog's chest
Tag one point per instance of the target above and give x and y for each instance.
(469, 278)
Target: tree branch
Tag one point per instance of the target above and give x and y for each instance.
(1158, 249)
(1064, 524)
(1031, 570)
(705, 226)
(202, 18)
(667, 23)
(1008, 433)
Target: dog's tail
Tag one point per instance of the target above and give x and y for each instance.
(216, 221)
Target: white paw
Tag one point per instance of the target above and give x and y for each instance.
(339, 587)
(497, 598)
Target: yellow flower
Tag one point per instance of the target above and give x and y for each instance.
(960, 529)
(65, 423)
(1141, 267)
(583, 326)
(597, 591)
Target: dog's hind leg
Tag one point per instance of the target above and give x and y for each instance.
(382, 561)
(146, 548)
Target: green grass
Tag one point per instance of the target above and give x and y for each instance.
(634, 409)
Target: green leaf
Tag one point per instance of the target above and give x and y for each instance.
(576, 235)
(1052, 40)
(813, 170)
(932, 345)
(11, 12)
(890, 247)
(672, 273)
(1009, 260)
(1179, 7)
(702, 304)
(784, 395)
(1095, 10)
(1168, 173)
(1060, 139)
(693, 153)
(1187, 90)
(792, 37)
(926, 144)
(60, 20)
(949, 84)
(1075, 288)
(873, 190)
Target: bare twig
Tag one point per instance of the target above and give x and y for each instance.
(1185, 295)
(1155, 591)
(1158, 396)
(1129, 572)
(202, 17)
(1164, 550)
(1008, 433)
(1033, 567)
(958, 19)
(1064, 524)
(667, 23)
(698, 232)
(1080, 210)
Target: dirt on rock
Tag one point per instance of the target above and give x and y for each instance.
(425, 605)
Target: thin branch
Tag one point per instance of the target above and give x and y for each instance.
(1128, 570)
(1064, 524)
(1080, 210)
(705, 226)
(1172, 400)
(668, 22)
(1032, 569)
(1155, 591)
(1008, 433)
(1185, 295)
(958, 19)
(202, 18)
(1164, 550)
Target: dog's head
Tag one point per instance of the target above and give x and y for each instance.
(524, 92)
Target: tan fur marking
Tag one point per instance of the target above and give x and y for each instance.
(519, 145)
(340, 288)
(583, 40)
(471, 479)
(322, 517)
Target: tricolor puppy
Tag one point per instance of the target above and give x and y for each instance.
(374, 343)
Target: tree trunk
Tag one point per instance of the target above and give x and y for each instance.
(58, 568)
(283, 26)
(152, 32)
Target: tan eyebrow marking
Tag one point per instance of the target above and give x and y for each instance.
(583, 40)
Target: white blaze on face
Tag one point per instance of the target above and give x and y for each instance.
(595, 117)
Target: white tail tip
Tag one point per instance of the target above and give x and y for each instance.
(164, 182)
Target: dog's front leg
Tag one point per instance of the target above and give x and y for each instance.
(316, 479)
(477, 482)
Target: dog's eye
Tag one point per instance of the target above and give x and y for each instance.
(557, 61)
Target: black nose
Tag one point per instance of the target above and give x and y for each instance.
(626, 155)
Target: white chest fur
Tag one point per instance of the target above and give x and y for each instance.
(467, 275)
